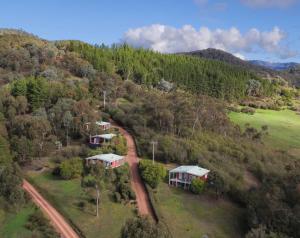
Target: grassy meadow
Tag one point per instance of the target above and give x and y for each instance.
(65, 195)
(192, 216)
(283, 127)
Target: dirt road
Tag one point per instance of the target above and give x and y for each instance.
(59, 223)
(137, 184)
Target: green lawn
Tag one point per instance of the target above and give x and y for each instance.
(191, 216)
(66, 194)
(14, 224)
(284, 126)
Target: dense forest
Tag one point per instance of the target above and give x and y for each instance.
(51, 89)
(200, 76)
(291, 75)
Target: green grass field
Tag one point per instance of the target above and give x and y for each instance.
(191, 216)
(65, 196)
(284, 126)
(14, 224)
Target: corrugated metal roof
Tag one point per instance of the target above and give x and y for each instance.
(106, 157)
(102, 123)
(190, 169)
(105, 136)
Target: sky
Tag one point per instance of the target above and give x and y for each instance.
(250, 29)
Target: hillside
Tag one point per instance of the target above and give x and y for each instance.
(50, 91)
(220, 55)
(261, 68)
(209, 77)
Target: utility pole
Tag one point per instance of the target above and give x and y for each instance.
(104, 98)
(153, 145)
(98, 195)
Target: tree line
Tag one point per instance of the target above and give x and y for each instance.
(200, 76)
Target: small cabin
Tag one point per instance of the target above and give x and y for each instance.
(98, 140)
(103, 125)
(108, 160)
(182, 176)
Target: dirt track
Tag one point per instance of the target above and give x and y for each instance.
(59, 223)
(143, 202)
(137, 184)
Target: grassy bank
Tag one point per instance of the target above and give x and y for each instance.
(66, 195)
(188, 215)
(283, 127)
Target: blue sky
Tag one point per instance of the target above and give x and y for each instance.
(256, 29)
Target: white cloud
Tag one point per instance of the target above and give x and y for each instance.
(269, 3)
(169, 39)
(239, 56)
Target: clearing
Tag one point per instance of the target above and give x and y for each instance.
(191, 216)
(283, 127)
(66, 195)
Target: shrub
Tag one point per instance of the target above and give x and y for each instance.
(152, 173)
(89, 181)
(37, 222)
(125, 191)
(56, 171)
(120, 145)
(143, 227)
(248, 110)
(82, 205)
(71, 168)
(117, 197)
(197, 186)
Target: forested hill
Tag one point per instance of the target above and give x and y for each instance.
(223, 56)
(290, 75)
(50, 90)
(201, 76)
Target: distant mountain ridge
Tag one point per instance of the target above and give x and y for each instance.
(274, 65)
(288, 71)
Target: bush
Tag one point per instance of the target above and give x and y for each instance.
(82, 205)
(71, 168)
(126, 192)
(117, 197)
(120, 145)
(37, 222)
(89, 181)
(152, 173)
(248, 110)
(197, 186)
(142, 227)
(56, 171)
